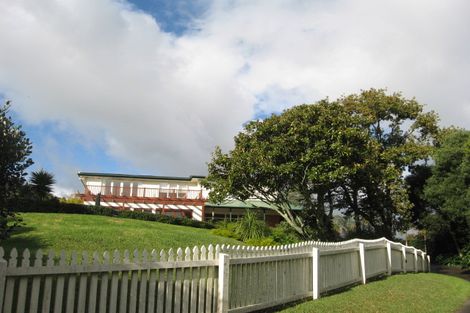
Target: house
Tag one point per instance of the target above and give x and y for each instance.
(175, 196)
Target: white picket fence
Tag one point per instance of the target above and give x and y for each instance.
(213, 279)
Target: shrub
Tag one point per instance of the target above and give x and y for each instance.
(56, 206)
(224, 232)
(251, 227)
(456, 260)
(71, 200)
(284, 234)
(265, 241)
(8, 222)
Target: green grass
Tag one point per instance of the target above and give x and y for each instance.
(424, 292)
(99, 233)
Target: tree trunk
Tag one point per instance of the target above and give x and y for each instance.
(357, 220)
(456, 243)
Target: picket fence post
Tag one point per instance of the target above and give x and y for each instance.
(362, 256)
(389, 258)
(3, 268)
(403, 260)
(224, 277)
(416, 260)
(424, 266)
(315, 273)
(429, 264)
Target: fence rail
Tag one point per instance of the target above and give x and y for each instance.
(213, 279)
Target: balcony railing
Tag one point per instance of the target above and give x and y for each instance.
(143, 192)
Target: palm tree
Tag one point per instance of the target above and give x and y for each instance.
(41, 183)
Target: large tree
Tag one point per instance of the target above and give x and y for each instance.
(347, 154)
(41, 183)
(400, 134)
(448, 189)
(15, 149)
(296, 158)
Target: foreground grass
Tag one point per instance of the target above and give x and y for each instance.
(424, 292)
(98, 233)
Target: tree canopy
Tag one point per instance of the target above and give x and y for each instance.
(347, 155)
(14, 159)
(400, 134)
(41, 183)
(448, 189)
(15, 149)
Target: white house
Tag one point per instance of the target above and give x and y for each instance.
(176, 196)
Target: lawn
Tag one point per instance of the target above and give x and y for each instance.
(99, 233)
(424, 292)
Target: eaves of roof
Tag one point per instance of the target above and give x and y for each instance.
(113, 175)
(247, 204)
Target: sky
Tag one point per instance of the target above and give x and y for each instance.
(152, 86)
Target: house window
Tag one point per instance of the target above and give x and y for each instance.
(106, 187)
(116, 188)
(126, 189)
(135, 189)
(173, 191)
(164, 191)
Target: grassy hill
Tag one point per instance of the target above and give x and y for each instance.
(424, 292)
(90, 232)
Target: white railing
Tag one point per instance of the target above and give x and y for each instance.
(214, 279)
(143, 192)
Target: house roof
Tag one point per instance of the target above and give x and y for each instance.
(132, 176)
(247, 204)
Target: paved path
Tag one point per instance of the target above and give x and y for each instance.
(457, 272)
(454, 271)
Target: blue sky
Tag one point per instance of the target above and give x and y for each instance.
(173, 16)
(151, 87)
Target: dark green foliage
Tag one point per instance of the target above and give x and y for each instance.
(416, 181)
(8, 221)
(296, 157)
(41, 183)
(400, 134)
(266, 236)
(347, 154)
(226, 228)
(448, 189)
(284, 234)
(15, 149)
(462, 261)
(251, 227)
(55, 206)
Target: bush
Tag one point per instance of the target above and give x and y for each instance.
(224, 232)
(56, 206)
(71, 200)
(265, 241)
(251, 227)
(456, 260)
(8, 221)
(284, 234)
(254, 231)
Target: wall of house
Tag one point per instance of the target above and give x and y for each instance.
(145, 188)
(232, 214)
(125, 190)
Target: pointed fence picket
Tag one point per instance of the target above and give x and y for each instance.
(221, 278)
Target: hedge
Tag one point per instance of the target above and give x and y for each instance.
(55, 206)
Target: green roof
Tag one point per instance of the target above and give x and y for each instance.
(139, 176)
(247, 204)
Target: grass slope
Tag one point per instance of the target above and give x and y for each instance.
(424, 292)
(99, 233)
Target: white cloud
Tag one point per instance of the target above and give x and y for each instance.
(163, 102)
